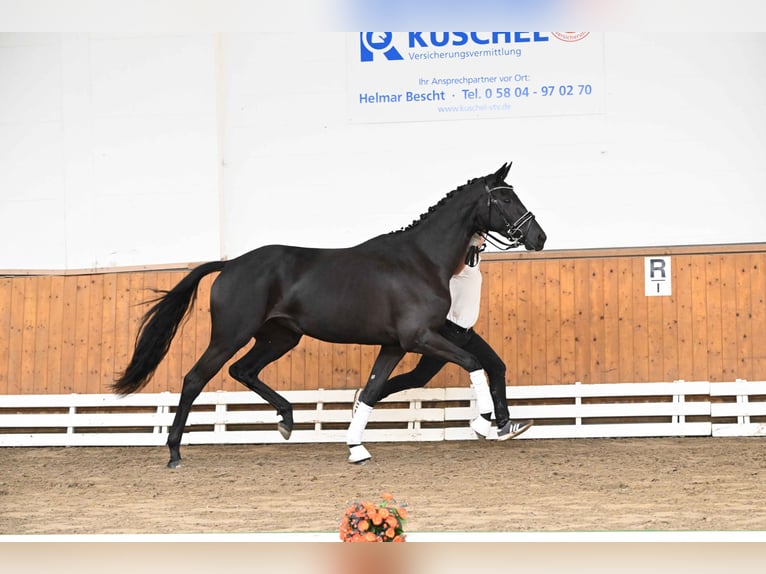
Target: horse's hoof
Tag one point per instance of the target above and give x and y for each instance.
(284, 430)
(174, 463)
(358, 455)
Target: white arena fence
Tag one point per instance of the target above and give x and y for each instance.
(662, 409)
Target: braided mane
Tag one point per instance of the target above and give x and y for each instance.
(433, 208)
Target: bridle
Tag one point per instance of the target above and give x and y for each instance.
(515, 231)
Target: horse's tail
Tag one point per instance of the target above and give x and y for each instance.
(158, 327)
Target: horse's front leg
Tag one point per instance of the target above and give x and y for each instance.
(435, 344)
(386, 361)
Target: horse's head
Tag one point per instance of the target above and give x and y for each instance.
(504, 213)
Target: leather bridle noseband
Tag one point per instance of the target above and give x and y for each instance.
(515, 231)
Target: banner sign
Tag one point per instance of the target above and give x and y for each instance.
(427, 76)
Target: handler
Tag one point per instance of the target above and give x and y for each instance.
(465, 291)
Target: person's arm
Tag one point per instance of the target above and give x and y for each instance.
(476, 241)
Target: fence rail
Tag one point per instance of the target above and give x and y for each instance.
(678, 408)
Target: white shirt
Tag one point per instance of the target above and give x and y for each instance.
(465, 290)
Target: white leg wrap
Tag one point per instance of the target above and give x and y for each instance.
(358, 453)
(481, 388)
(358, 423)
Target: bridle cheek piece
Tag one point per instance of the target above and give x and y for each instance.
(515, 231)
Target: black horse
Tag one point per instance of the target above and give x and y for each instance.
(392, 290)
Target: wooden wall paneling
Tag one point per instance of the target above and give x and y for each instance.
(95, 330)
(69, 336)
(492, 307)
(596, 320)
(106, 367)
(298, 371)
(6, 297)
(552, 290)
(758, 302)
(537, 335)
(744, 316)
(311, 374)
(729, 317)
(169, 378)
(656, 334)
(670, 330)
(55, 335)
(552, 320)
(366, 358)
(16, 347)
(699, 324)
(714, 318)
(583, 341)
(682, 287)
(339, 366)
(524, 323)
(510, 322)
(568, 321)
(123, 344)
(611, 314)
(27, 370)
(284, 369)
(640, 323)
(325, 375)
(159, 381)
(40, 331)
(625, 329)
(355, 375)
(81, 333)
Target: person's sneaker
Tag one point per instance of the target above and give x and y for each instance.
(512, 429)
(481, 426)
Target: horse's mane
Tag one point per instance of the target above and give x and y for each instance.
(435, 207)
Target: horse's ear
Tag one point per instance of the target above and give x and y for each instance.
(502, 173)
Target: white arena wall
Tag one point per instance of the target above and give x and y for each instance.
(148, 149)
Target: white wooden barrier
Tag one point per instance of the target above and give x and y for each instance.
(560, 411)
(744, 414)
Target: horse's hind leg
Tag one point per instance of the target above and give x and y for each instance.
(271, 342)
(195, 380)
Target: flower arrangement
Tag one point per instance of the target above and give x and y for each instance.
(367, 522)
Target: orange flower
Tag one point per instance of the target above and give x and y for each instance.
(368, 522)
